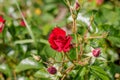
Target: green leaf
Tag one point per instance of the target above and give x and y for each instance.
(5, 69)
(98, 69)
(46, 29)
(102, 76)
(81, 73)
(41, 74)
(22, 78)
(92, 77)
(49, 51)
(28, 63)
(58, 57)
(100, 72)
(72, 54)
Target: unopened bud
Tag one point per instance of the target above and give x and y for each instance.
(37, 58)
(96, 52)
(52, 70)
(22, 23)
(77, 5)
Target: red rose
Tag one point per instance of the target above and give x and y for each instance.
(22, 23)
(59, 41)
(2, 22)
(52, 70)
(96, 52)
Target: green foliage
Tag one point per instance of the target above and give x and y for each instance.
(28, 63)
(4, 68)
(25, 51)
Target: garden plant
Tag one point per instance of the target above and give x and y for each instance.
(59, 40)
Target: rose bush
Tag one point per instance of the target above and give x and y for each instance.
(42, 51)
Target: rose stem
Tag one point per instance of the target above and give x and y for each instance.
(63, 60)
(74, 26)
(67, 71)
(69, 58)
(3, 38)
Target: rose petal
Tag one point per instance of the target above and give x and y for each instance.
(67, 44)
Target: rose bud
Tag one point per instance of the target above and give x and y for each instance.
(22, 23)
(52, 70)
(96, 52)
(36, 57)
(77, 5)
(99, 2)
(2, 22)
(59, 41)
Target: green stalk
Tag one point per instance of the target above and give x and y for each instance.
(28, 27)
(75, 33)
(3, 37)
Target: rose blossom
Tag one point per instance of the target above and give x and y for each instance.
(52, 70)
(22, 23)
(59, 41)
(2, 22)
(96, 52)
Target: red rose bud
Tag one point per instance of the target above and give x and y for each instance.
(96, 52)
(99, 2)
(59, 41)
(77, 5)
(52, 70)
(22, 23)
(2, 22)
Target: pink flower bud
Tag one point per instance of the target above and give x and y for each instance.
(77, 5)
(96, 52)
(22, 23)
(99, 2)
(52, 70)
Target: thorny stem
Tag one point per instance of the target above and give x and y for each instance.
(14, 74)
(68, 3)
(75, 33)
(102, 36)
(88, 29)
(74, 28)
(69, 68)
(69, 58)
(67, 71)
(63, 60)
(1, 77)
(3, 38)
(81, 52)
